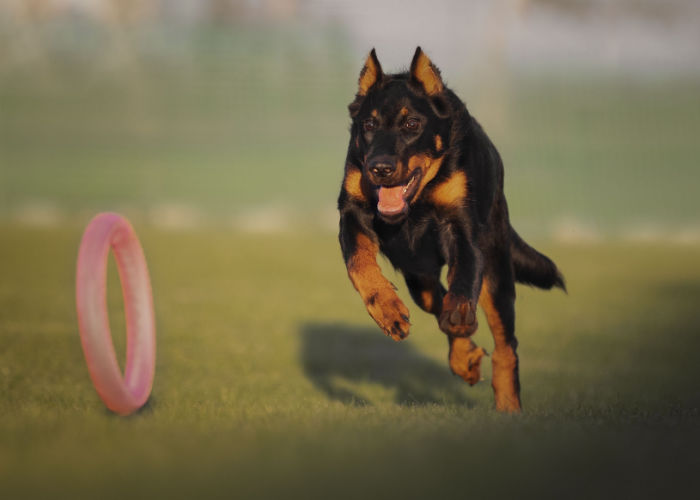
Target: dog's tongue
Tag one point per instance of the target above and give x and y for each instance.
(391, 200)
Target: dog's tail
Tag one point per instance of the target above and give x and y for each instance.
(531, 267)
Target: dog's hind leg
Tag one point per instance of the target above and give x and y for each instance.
(465, 356)
(465, 359)
(498, 300)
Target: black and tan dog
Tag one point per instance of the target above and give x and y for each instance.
(424, 185)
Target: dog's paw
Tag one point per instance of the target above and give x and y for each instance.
(390, 313)
(458, 317)
(465, 359)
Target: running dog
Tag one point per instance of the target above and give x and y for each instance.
(423, 185)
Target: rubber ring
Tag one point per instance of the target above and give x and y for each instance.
(122, 395)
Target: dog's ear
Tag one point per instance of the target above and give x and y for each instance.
(370, 75)
(425, 74)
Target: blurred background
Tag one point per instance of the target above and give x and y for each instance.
(233, 113)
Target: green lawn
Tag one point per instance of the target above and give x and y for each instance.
(272, 381)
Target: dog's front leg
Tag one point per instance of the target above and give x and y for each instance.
(458, 316)
(377, 292)
(464, 276)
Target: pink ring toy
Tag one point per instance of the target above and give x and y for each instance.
(127, 394)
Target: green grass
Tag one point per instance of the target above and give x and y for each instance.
(272, 381)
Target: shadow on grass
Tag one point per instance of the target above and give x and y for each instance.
(339, 357)
(145, 411)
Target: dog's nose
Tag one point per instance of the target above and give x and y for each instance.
(382, 166)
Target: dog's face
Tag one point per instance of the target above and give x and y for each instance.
(400, 132)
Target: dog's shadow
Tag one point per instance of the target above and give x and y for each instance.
(342, 359)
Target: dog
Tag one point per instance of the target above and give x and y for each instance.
(423, 185)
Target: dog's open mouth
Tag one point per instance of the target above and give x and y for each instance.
(393, 201)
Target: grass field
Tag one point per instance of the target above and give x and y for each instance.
(224, 145)
(272, 381)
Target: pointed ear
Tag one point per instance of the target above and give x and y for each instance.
(370, 74)
(425, 74)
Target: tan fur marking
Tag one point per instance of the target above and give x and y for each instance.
(452, 192)
(404, 111)
(377, 292)
(427, 297)
(426, 73)
(368, 76)
(504, 360)
(375, 113)
(492, 316)
(429, 166)
(353, 184)
(465, 359)
(363, 269)
(438, 143)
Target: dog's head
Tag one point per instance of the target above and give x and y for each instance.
(400, 132)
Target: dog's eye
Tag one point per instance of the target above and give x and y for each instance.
(412, 124)
(369, 124)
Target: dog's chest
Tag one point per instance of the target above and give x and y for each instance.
(412, 248)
